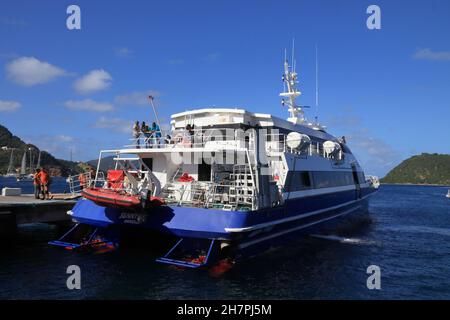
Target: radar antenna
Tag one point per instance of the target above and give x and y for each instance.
(290, 91)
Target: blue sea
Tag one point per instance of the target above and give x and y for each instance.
(407, 237)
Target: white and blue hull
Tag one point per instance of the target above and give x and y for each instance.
(246, 232)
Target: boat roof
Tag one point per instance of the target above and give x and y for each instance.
(222, 116)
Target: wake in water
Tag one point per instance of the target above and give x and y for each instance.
(419, 229)
(344, 239)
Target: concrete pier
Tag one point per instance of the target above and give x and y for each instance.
(17, 210)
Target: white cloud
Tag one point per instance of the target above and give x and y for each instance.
(375, 155)
(428, 54)
(9, 106)
(124, 52)
(89, 105)
(96, 80)
(29, 71)
(136, 98)
(115, 124)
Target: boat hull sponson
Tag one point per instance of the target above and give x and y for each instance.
(243, 228)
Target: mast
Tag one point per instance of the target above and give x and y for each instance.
(38, 165)
(317, 85)
(31, 161)
(289, 78)
(10, 166)
(24, 163)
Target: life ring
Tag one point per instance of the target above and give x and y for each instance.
(183, 139)
(178, 138)
(185, 177)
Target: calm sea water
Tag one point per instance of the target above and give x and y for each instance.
(408, 238)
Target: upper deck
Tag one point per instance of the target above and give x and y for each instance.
(237, 117)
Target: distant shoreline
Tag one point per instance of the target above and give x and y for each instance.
(417, 184)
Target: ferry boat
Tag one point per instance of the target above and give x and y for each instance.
(224, 183)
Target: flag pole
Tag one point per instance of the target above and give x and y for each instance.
(156, 115)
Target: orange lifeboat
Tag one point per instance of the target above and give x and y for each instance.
(115, 197)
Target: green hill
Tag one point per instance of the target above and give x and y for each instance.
(57, 167)
(106, 164)
(421, 169)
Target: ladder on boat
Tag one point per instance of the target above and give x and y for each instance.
(190, 253)
(243, 186)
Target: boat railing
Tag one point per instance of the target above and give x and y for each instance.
(86, 179)
(276, 143)
(216, 195)
(196, 138)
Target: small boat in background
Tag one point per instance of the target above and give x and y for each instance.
(25, 178)
(448, 194)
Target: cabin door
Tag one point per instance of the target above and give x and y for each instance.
(204, 171)
(356, 181)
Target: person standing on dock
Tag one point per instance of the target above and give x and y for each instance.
(45, 181)
(37, 183)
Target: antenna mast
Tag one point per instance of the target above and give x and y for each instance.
(317, 85)
(290, 81)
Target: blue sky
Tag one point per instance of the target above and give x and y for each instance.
(387, 90)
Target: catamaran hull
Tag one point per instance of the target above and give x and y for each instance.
(244, 232)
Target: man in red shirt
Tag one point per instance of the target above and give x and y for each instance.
(45, 180)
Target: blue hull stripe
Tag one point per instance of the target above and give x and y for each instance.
(300, 216)
(303, 226)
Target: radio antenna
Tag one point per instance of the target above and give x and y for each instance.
(292, 57)
(317, 85)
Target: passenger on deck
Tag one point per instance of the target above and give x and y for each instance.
(137, 133)
(37, 183)
(92, 176)
(168, 139)
(189, 135)
(190, 130)
(145, 131)
(155, 134)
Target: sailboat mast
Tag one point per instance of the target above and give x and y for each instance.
(10, 166)
(24, 163)
(31, 161)
(38, 165)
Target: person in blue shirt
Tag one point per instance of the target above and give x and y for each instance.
(155, 134)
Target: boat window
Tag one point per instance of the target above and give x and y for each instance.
(361, 177)
(298, 180)
(326, 179)
(301, 180)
